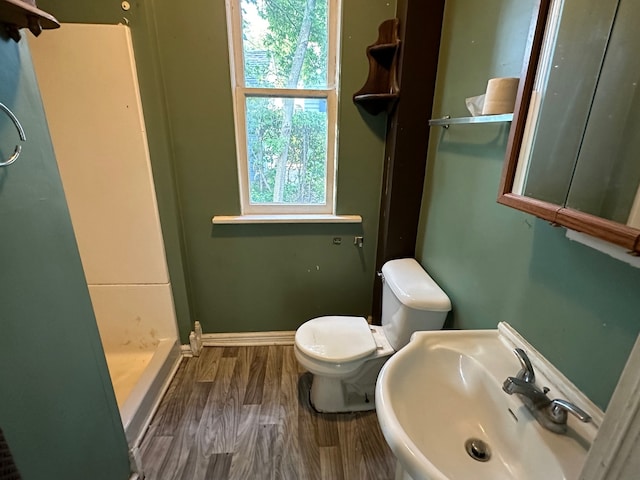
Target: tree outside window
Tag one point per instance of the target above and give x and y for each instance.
(284, 57)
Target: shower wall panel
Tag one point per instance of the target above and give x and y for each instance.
(89, 86)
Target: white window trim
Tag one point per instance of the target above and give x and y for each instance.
(240, 93)
(281, 218)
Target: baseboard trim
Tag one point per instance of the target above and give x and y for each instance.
(248, 339)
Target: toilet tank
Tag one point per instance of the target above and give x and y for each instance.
(411, 301)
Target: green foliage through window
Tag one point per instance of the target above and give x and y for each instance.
(307, 149)
(285, 46)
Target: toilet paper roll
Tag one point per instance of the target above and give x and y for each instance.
(500, 96)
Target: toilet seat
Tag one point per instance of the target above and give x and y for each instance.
(335, 339)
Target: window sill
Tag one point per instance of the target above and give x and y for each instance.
(299, 218)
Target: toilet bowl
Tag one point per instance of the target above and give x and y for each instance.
(345, 354)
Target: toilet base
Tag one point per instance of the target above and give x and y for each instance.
(354, 394)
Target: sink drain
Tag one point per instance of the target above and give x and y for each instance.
(478, 449)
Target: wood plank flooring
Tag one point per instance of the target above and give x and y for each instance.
(244, 413)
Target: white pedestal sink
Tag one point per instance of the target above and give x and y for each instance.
(445, 388)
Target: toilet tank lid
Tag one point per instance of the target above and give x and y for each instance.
(335, 339)
(414, 287)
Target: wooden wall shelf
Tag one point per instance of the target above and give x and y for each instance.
(381, 91)
(17, 14)
(384, 53)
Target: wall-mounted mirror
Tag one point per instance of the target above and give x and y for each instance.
(573, 156)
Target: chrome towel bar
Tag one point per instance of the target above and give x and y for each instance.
(18, 149)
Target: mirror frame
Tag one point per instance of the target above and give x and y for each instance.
(559, 215)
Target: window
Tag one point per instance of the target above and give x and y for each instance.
(284, 57)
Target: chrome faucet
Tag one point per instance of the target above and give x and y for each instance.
(551, 414)
(526, 373)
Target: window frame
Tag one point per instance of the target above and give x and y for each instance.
(240, 93)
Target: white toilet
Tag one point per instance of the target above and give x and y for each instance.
(345, 354)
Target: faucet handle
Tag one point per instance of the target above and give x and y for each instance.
(559, 408)
(526, 373)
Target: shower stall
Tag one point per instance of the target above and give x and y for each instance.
(89, 87)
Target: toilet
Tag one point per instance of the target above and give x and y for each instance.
(345, 354)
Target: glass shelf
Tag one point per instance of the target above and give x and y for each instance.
(446, 121)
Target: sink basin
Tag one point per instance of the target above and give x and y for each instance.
(445, 388)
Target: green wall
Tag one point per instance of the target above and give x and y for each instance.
(258, 277)
(57, 407)
(266, 277)
(579, 307)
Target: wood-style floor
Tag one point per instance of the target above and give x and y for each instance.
(244, 413)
